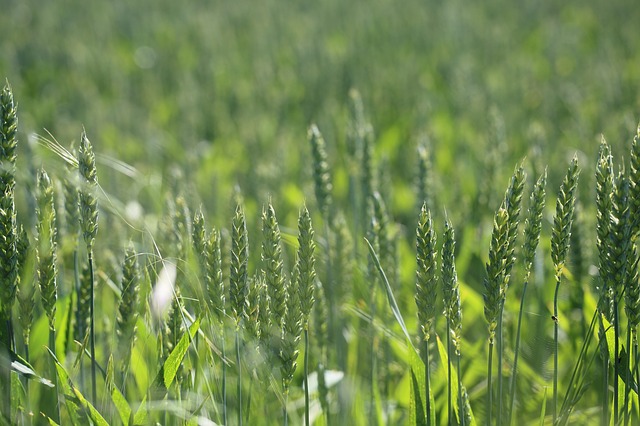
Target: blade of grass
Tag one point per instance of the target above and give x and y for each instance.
(169, 368)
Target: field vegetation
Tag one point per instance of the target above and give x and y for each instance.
(326, 213)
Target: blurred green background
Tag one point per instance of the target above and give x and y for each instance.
(228, 88)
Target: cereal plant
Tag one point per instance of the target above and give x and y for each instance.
(340, 301)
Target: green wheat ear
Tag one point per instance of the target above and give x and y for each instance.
(619, 235)
(604, 206)
(84, 302)
(199, 238)
(238, 270)
(8, 138)
(252, 308)
(321, 172)
(128, 306)
(426, 283)
(512, 204)
(565, 204)
(88, 188)
(634, 183)
(46, 246)
(632, 289)
(8, 255)
(425, 174)
(291, 333)
(273, 266)
(26, 294)
(496, 270)
(533, 223)
(305, 266)
(450, 286)
(9, 267)
(215, 283)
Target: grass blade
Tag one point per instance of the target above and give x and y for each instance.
(168, 371)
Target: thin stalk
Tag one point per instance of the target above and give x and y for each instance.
(427, 381)
(54, 377)
(460, 402)
(306, 377)
(92, 332)
(616, 333)
(605, 385)
(285, 414)
(374, 364)
(76, 278)
(576, 382)
(26, 385)
(334, 331)
(5, 365)
(636, 371)
(489, 388)
(449, 391)
(516, 355)
(555, 349)
(239, 388)
(224, 380)
(500, 350)
(627, 384)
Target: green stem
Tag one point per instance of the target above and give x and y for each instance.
(5, 366)
(224, 379)
(605, 382)
(373, 378)
(285, 414)
(460, 402)
(92, 331)
(489, 389)
(449, 389)
(512, 396)
(76, 278)
(500, 354)
(239, 389)
(427, 382)
(55, 415)
(627, 384)
(306, 377)
(26, 385)
(636, 374)
(616, 333)
(555, 350)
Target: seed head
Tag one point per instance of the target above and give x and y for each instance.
(88, 187)
(46, 247)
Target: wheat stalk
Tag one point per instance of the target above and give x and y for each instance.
(321, 173)
(291, 332)
(425, 174)
(426, 287)
(273, 267)
(215, 296)
(512, 204)
(89, 227)
(532, 229)
(493, 284)
(452, 309)
(238, 287)
(305, 274)
(128, 310)
(560, 238)
(47, 268)
(9, 268)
